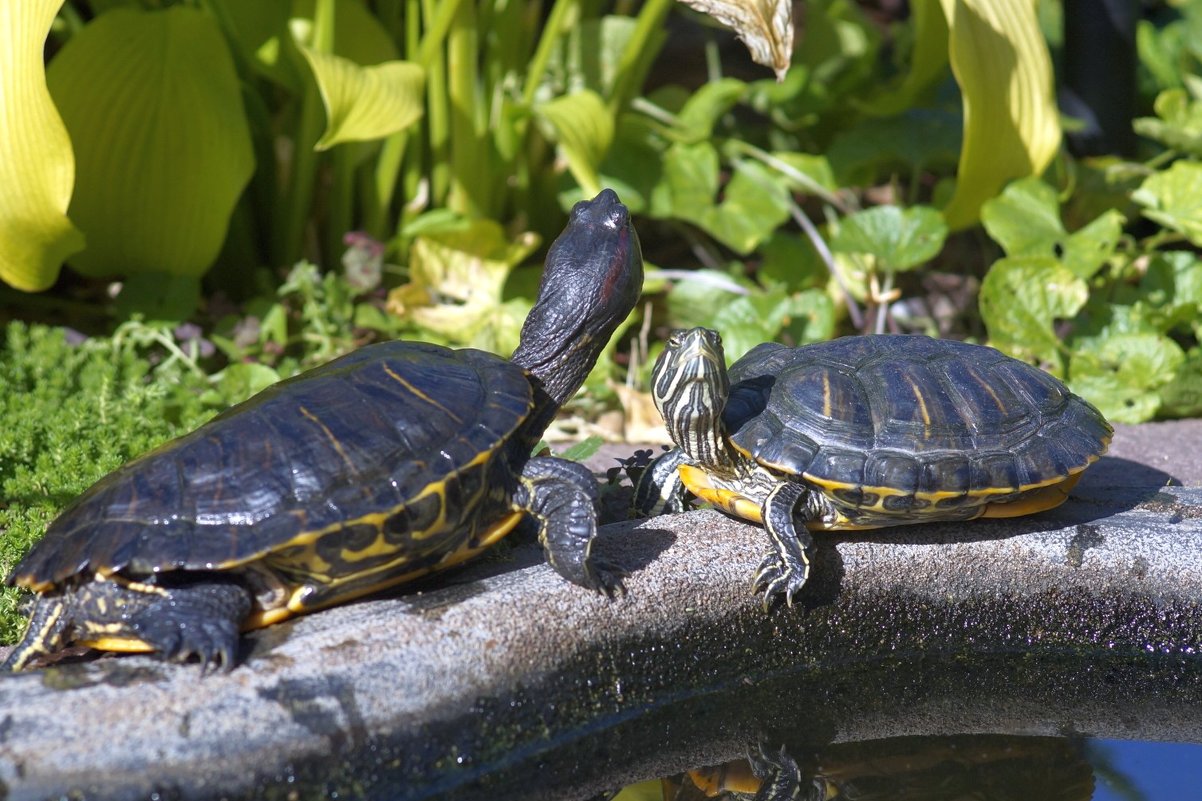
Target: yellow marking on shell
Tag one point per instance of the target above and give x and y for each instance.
(423, 396)
(826, 394)
(829, 486)
(296, 602)
(922, 408)
(700, 483)
(330, 436)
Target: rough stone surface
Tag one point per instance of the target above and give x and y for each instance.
(501, 680)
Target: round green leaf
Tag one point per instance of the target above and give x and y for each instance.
(1021, 298)
(163, 150)
(900, 239)
(1173, 198)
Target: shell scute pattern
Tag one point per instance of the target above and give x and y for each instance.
(908, 423)
(295, 457)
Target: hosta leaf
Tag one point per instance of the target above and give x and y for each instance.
(1021, 299)
(1011, 125)
(1173, 198)
(365, 103)
(900, 239)
(584, 129)
(162, 145)
(765, 26)
(37, 166)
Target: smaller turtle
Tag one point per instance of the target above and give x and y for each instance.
(859, 433)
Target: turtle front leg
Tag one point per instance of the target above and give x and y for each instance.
(202, 620)
(787, 566)
(659, 490)
(562, 498)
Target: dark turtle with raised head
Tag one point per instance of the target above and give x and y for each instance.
(391, 462)
(861, 432)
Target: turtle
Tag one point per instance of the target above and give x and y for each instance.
(860, 432)
(398, 459)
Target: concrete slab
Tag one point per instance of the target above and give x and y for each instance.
(501, 680)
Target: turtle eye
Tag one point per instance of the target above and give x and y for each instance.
(674, 340)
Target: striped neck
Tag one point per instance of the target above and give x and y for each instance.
(690, 387)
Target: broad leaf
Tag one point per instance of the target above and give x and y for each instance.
(1025, 221)
(1021, 299)
(1177, 124)
(584, 129)
(1122, 373)
(899, 239)
(163, 148)
(37, 166)
(1173, 198)
(365, 103)
(1011, 125)
(457, 281)
(754, 201)
(695, 122)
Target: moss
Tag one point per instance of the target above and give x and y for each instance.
(72, 412)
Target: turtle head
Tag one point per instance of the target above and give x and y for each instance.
(591, 282)
(689, 385)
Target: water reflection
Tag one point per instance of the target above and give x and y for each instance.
(960, 768)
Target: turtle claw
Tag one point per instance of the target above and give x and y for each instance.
(776, 577)
(606, 577)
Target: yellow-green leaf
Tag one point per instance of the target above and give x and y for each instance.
(162, 145)
(584, 129)
(1011, 126)
(37, 167)
(456, 282)
(365, 103)
(927, 64)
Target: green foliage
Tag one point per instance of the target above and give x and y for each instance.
(1117, 318)
(72, 413)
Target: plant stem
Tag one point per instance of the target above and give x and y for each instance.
(640, 51)
(469, 179)
(546, 45)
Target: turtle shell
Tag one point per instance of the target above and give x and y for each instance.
(394, 448)
(914, 419)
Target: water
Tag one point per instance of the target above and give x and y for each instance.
(1144, 771)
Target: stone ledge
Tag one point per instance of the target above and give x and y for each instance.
(1085, 619)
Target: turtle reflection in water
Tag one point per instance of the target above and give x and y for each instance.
(396, 460)
(858, 433)
(900, 769)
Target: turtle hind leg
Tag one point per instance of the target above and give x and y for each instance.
(785, 568)
(562, 498)
(200, 618)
